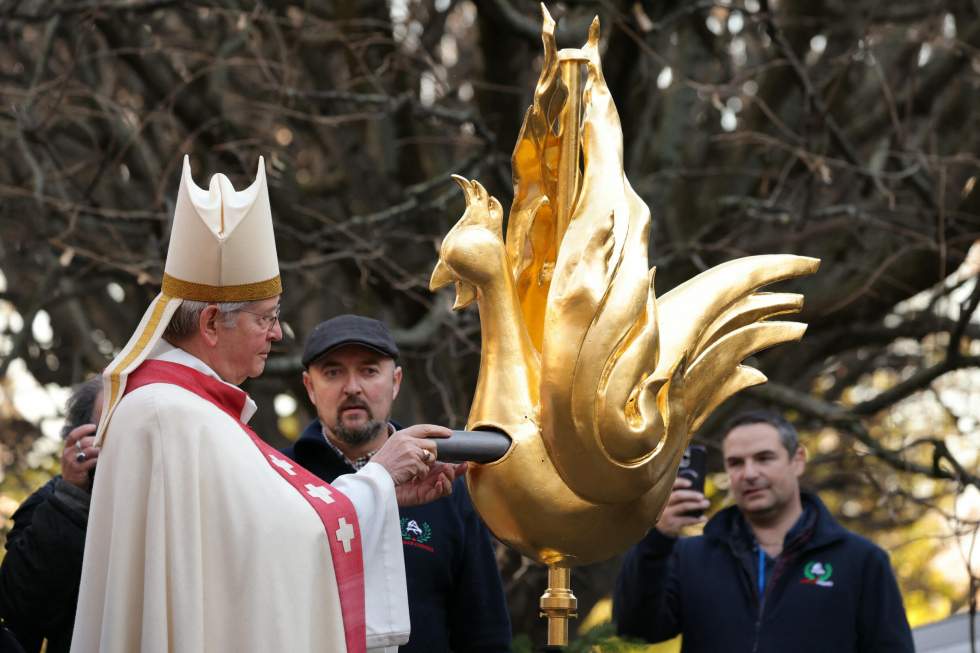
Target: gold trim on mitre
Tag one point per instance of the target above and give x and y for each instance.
(202, 292)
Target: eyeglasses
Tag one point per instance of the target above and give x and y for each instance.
(268, 322)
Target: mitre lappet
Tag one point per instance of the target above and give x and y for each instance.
(222, 249)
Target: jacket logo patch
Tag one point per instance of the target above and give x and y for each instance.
(818, 573)
(416, 534)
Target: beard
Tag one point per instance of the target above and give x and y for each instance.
(358, 435)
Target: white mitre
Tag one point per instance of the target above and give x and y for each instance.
(222, 249)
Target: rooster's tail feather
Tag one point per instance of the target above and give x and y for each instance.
(722, 360)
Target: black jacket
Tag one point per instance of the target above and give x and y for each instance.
(42, 568)
(830, 590)
(455, 597)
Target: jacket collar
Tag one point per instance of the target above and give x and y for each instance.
(729, 525)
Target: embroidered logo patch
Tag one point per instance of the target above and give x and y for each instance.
(416, 534)
(818, 573)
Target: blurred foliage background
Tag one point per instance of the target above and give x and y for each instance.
(842, 129)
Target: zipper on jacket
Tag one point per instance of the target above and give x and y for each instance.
(761, 589)
(758, 626)
(785, 558)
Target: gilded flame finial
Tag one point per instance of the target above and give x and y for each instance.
(598, 382)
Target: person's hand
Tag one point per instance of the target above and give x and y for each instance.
(79, 456)
(409, 453)
(681, 500)
(436, 483)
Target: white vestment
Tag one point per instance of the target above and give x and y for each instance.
(196, 544)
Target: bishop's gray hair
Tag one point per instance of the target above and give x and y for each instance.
(187, 316)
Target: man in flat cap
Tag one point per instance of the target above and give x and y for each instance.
(201, 537)
(455, 596)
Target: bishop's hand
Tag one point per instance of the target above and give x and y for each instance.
(408, 453)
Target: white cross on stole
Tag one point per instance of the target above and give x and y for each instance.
(282, 464)
(345, 534)
(320, 492)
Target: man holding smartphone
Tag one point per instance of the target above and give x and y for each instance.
(773, 573)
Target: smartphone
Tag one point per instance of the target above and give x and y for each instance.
(692, 467)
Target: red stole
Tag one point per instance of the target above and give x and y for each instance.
(334, 509)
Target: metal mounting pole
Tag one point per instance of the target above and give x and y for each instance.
(558, 605)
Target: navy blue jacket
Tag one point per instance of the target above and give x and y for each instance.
(42, 569)
(455, 597)
(829, 591)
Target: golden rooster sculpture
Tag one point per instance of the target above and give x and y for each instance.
(598, 382)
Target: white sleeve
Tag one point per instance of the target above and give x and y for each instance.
(385, 593)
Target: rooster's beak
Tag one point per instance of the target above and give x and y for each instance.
(465, 295)
(441, 276)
